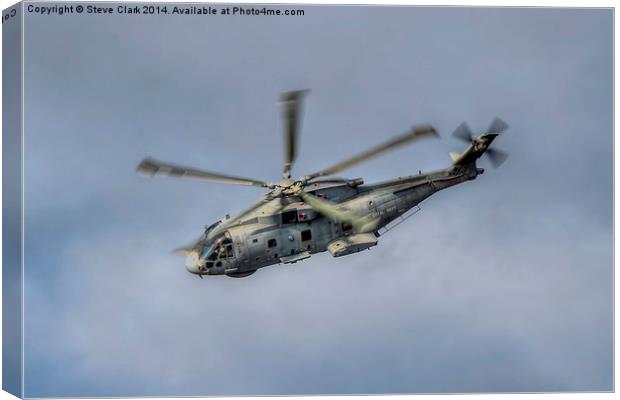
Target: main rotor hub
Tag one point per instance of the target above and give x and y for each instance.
(294, 189)
(286, 183)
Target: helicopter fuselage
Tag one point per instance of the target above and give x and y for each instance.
(287, 230)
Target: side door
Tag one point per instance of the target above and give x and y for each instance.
(291, 241)
(274, 244)
(268, 247)
(306, 238)
(255, 249)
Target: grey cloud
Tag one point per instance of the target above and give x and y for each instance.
(503, 284)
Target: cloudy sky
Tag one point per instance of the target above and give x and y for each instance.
(501, 284)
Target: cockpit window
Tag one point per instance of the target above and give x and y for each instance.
(210, 227)
(219, 250)
(207, 249)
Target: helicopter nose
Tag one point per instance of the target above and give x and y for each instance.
(192, 268)
(191, 263)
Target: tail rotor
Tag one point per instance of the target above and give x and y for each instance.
(480, 144)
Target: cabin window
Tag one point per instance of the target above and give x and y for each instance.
(254, 240)
(346, 227)
(272, 243)
(306, 235)
(289, 217)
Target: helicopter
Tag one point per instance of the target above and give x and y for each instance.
(319, 212)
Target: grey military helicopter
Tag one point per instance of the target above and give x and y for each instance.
(319, 212)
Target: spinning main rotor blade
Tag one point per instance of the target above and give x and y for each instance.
(184, 251)
(261, 202)
(152, 167)
(227, 223)
(416, 133)
(292, 118)
(361, 224)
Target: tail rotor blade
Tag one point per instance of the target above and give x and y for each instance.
(463, 133)
(497, 126)
(497, 157)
